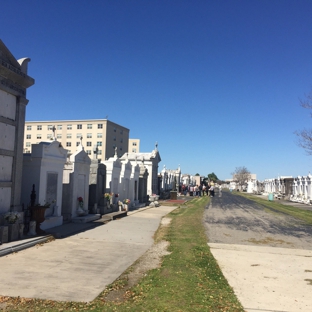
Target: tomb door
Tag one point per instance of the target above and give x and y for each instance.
(51, 193)
(100, 189)
(115, 190)
(81, 186)
(127, 188)
(135, 189)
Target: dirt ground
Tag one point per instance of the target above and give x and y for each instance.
(232, 219)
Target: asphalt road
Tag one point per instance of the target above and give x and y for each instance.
(266, 257)
(233, 219)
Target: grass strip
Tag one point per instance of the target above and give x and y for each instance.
(277, 207)
(189, 278)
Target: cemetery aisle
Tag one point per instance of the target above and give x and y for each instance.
(79, 267)
(266, 257)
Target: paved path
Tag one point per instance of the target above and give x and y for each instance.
(266, 258)
(79, 267)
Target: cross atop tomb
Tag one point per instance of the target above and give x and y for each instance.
(156, 146)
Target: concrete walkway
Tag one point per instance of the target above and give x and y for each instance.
(80, 266)
(267, 278)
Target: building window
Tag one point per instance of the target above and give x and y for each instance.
(49, 136)
(88, 152)
(99, 135)
(99, 143)
(121, 131)
(50, 127)
(38, 136)
(59, 136)
(120, 148)
(99, 152)
(114, 129)
(89, 126)
(78, 136)
(77, 143)
(69, 127)
(100, 126)
(134, 144)
(27, 152)
(59, 127)
(89, 135)
(89, 143)
(27, 144)
(39, 127)
(28, 136)
(120, 140)
(68, 136)
(28, 127)
(134, 150)
(79, 126)
(114, 138)
(68, 144)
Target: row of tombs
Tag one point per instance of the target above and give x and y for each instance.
(69, 188)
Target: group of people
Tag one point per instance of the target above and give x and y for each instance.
(199, 190)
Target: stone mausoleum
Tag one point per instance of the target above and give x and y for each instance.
(14, 82)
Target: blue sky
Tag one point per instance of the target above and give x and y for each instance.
(215, 83)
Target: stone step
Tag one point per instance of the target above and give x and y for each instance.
(138, 206)
(113, 216)
(86, 218)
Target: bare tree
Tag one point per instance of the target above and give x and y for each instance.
(305, 135)
(241, 175)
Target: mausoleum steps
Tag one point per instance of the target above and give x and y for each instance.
(86, 218)
(112, 216)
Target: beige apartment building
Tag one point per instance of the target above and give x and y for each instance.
(95, 134)
(134, 146)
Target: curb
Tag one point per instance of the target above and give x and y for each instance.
(25, 245)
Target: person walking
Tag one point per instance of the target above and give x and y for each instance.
(196, 190)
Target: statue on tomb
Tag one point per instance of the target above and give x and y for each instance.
(53, 130)
(174, 184)
(95, 151)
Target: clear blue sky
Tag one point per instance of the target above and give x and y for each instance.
(215, 83)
